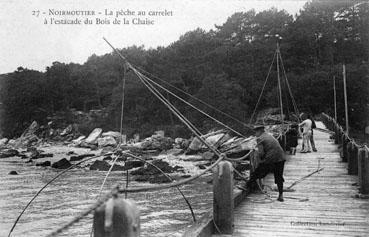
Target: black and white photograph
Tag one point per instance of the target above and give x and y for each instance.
(184, 118)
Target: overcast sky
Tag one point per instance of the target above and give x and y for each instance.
(26, 41)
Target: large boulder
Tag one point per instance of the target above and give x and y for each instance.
(157, 143)
(62, 164)
(31, 130)
(8, 153)
(88, 145)
(106, 141)
(43, 164)
(94, 135)
(102, 165)
(80, 157)
(116, 135)
(130, 164)
(151, 170)
(78, 141)
(239, 145)
(11, 142)
(67, 130)
(29, 136)
(30, 140)
(3, 141)
(174, 152)
(112, 134)
(195, 144)
(181, 143)
(208, 155)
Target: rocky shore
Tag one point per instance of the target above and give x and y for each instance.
(177, 157)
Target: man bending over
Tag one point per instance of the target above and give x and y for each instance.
(272, 159)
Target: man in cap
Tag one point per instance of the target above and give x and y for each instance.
(272, 159)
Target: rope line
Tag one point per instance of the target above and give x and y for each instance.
(193, 97)
(47, 184)
(169, 105)
(84, 214)
(170, 178)
(289, 88)
(102, 186)
(262, 90)
(120, 141)
(194, 107)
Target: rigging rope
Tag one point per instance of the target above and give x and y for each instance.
(168, 104)
(262, 91)
(52, 180)
(170, 178)
(289, 89)
(120, 141)
(85, 213)
(194, 107)
(102, 186)
(184, 120)
(193, 97)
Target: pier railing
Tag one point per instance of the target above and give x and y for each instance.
(354, 154)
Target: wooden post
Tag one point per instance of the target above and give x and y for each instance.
(336, 134)
(344, 148)
(223, 205)
(117, 218)
(352, 166)
(363, 171)
(335, 98)
(339, 135)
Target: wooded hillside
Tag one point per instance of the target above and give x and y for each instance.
(226, 67)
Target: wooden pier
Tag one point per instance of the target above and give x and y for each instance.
(322, 205)
(331, 202)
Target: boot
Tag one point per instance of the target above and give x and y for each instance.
(280, 197)
(280, 190)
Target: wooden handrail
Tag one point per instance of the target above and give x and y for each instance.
(356, 155)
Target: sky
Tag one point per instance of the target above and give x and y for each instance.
(25, 39)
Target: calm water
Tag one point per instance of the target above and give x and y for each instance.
(163, 213)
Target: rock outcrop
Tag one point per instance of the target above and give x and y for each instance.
(62, 164)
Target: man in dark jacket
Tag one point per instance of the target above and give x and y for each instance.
(272, 159)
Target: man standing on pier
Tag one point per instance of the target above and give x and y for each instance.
(272, 160)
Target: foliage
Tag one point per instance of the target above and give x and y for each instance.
(226, 67)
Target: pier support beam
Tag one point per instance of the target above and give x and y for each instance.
(223, 205)
(344, 148)
(117, 218)
(352, 151)
(336, 134)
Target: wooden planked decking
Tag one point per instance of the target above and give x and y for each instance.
(321, 205)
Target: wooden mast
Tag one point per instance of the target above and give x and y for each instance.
(280, 97)
(345, 97)
(279, 85)
(335, 98)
